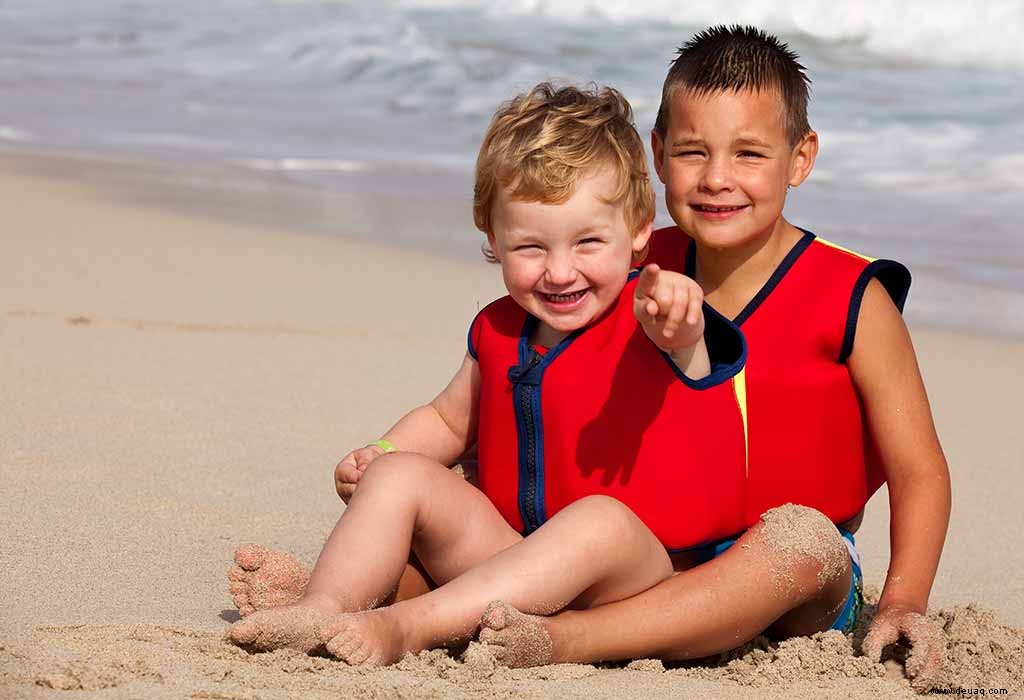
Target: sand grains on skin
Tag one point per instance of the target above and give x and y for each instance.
(516, 639)
(264, 578)
(792, 530)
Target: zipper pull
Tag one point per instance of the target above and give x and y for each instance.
(527, 373)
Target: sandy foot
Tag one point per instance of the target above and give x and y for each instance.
(288, 626)
(371, 638)
(515, 639)
(263, 578)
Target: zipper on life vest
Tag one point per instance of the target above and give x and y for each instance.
(525, 379)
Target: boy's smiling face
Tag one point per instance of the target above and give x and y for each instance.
(565, 263)
(726, 164)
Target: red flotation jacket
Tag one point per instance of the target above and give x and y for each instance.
(807, 442)
(606, 412)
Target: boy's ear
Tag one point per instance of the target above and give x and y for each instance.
(490, 246)
(658, 149)
(803, 158)
(641, 241)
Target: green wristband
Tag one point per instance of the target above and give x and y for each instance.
(385, 445)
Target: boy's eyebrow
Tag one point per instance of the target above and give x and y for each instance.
(752, 141)
(688, 141)
(741, 141)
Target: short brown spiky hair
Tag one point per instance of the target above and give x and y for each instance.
(737, 58)
(542, 143)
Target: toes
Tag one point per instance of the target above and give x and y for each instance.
(496, 616)
(359, 657)
(238, 587)
(487, 635)
(243, 605)
(237, 574)
(243, 632)
(250, 556)
(343, 645)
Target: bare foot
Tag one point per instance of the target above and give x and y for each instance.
(516, 639)
(263, 578)
(288, 626)
(371, 638)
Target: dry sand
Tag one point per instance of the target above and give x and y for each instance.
(175, 385)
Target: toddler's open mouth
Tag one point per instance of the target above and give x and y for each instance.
(567, 299)
(715, 209)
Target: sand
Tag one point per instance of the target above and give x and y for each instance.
(175, 384)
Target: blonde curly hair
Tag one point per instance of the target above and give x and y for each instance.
(540, 144)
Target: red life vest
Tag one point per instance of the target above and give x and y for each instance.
(807, 442)
(606, 412)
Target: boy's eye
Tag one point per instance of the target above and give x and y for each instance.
(685, 154)
(586, 241)
(526, 247)
(751, 154)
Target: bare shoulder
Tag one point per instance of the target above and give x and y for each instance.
(883, 343)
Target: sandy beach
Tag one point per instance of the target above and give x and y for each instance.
(175, 384)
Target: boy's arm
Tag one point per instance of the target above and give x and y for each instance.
(885, 372)
(446, 427)
(442, 430)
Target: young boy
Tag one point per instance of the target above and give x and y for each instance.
(581, 484)
(836, 404)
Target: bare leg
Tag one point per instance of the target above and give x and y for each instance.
(404, 502)
(789, 574)
(592, 552)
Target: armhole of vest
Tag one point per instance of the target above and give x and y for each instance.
(470, 345)
(727, 349)
(894, 276)
(469, 339)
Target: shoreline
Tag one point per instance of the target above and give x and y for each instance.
(436, 225)
(178, 384)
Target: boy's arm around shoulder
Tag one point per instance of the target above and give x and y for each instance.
(885, 372)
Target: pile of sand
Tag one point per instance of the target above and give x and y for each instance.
(153, 661)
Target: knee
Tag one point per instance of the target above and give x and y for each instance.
(400, 469)
(804, 539)
(605, 517)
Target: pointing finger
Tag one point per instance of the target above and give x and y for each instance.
(647, 282)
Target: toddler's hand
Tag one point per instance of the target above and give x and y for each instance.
(926, 640)
(351, 467)
(668, 306)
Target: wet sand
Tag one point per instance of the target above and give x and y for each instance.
(175, 384)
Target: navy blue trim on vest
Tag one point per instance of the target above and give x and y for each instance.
(526, 379)
(727, 349)
(469, 341)
(894, 276)
(710, 546)
(787, 262)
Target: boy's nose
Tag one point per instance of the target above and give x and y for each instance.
(560, 270)
(717, 175)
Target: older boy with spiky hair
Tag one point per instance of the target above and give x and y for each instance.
(836, 404)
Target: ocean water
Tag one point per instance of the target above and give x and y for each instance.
(381, 105)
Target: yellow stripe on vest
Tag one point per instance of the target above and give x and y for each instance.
(854, 253)
(739, 386)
